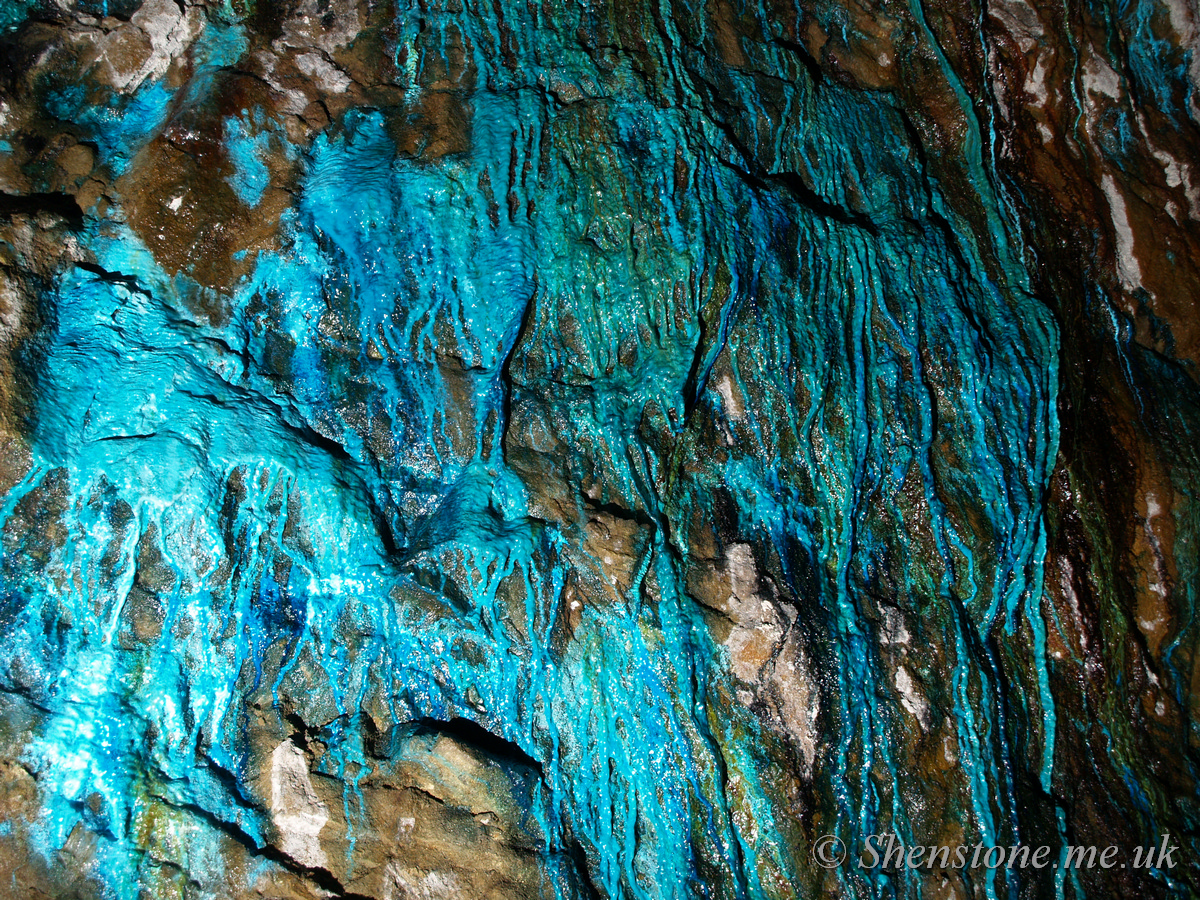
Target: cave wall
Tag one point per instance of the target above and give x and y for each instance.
(508, 449)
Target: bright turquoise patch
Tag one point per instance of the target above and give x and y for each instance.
(249, 146)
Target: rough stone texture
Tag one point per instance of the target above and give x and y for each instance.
(461, 449)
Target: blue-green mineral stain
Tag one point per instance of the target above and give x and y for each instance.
(477, 424)
(247, 152)
(210, 439)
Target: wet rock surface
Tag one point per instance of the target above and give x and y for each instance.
(546, 450)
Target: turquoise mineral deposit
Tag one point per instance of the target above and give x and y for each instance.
(588, 450)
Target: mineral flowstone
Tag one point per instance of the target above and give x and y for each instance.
(605, 449)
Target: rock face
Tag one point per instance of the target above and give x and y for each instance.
(594, 450)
